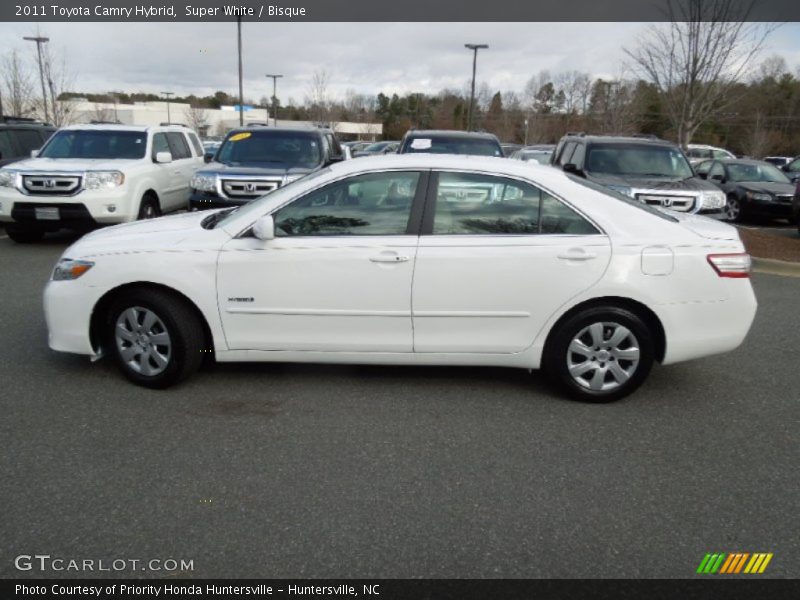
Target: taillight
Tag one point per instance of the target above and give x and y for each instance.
(730, 265)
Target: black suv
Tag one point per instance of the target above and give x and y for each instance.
(646, 168)
(18, 136)
(254, 161)
(450, 142)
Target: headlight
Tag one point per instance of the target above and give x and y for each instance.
(70, 269)
(622, 189)
(204, 183)
(712, 199)
(97, 180)
(7, 178)
(759, 196)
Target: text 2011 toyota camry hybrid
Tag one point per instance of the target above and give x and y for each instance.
(411, 260)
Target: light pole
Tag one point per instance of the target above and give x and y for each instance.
(474, 48)
(526, 131)
(241, 93)
(115, 94)
(274, 98)
(39, 41)
(168, 94)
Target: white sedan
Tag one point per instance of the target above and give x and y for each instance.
(409, 260)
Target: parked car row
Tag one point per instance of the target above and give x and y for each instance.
(88, 175)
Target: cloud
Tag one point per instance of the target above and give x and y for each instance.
(200, 58)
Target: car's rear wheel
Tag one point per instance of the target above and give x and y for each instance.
(733, 209)
(148, 207)
(24, 235)
(600, 354)
(155, 337)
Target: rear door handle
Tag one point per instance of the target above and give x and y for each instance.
(388, 258)
(577, 254)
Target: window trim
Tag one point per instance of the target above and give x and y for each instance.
(430, 208)
(415, 214)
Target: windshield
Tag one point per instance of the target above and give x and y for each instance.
(750, 172)
(295, 149)
(255, 208)
(542, 157)
(642, 160)
(626, 199)
(84, 143)
(441, 144)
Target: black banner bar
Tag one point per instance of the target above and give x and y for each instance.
(367, 10)
(733, 588)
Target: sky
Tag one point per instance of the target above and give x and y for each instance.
(200, 58)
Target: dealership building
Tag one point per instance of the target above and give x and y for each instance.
(207, 121)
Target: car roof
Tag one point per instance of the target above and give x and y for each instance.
(320, 130)
(122, 127)
(739, 161)
(621, 139)
(450, 133)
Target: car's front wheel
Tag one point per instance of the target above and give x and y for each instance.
(148, 207)
(733, 209)
(600, 354)
(155, 337)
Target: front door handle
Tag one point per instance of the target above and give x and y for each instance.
(577, 254)
(388, 258)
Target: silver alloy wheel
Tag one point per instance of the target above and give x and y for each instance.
(732, 209)
(143, 341)
(603, 356)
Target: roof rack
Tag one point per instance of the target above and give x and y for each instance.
(99, 122)
(168, 124)
(15, 119)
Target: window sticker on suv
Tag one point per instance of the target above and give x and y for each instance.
(421, 143)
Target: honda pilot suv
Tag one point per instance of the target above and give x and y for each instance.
(89, 175)
(648, 169)
(255, 161)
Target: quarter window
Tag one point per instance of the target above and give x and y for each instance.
(475, 204)
(370, 204)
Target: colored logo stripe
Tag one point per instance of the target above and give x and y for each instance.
(734, 562)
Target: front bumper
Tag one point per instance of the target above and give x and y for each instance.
(206, 201)
(68, 312)
(81, 211)
(768, 208)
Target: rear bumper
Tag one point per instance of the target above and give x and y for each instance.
(698, 329)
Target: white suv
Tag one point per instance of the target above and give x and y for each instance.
(89, 175)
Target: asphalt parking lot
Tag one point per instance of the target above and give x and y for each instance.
(338, 471)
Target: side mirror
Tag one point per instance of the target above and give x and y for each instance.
(572, 168)
(264, 228)
(163, 157)
(208, 157)
(34, 153)
(718, 178)
(702, 175)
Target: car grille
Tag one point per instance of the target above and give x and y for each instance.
(677, 203)
(50, 185)
(248, 188)
(784, 198)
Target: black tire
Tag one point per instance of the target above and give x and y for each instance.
(185, 338)
(148, 207)
(557, 355)
(24, 235)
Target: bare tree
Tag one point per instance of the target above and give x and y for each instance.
(317, 99)
(16, 84)
(576, 88)
(197, 118)
(697, 58)
(59, 78)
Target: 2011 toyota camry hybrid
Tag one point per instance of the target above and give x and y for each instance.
(411, 260)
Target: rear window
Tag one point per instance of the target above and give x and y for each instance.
(444, 144)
